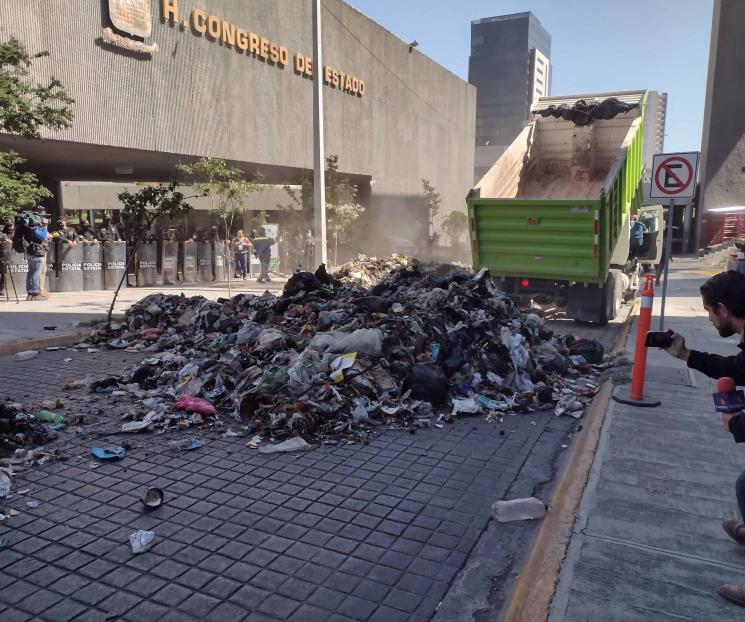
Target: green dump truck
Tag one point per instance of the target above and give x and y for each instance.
(552, 218)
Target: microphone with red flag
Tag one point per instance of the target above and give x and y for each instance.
(728, 399)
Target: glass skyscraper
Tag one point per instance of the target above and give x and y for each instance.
(510, 67)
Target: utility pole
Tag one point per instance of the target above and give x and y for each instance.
(319, 164)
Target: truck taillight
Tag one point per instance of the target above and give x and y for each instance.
(525, 283)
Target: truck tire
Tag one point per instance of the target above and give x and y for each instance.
(612, 297)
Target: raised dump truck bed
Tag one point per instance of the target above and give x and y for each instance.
(552, 214)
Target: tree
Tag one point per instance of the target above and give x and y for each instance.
(342, 208)
(25, 109)
(228, 191)
(455, 226)
(259, 219)
(141, 210)
(18, 190)
(432, 201)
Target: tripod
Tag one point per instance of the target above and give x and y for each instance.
(7, 275)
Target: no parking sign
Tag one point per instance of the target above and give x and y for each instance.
(674, 176)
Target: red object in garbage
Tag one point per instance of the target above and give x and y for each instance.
(196, 405)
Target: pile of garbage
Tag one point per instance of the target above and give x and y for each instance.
(334, 359)
(21, 429)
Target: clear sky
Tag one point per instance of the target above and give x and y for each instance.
(600, 45)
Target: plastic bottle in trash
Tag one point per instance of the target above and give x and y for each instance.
(518, 509)
(49, 417)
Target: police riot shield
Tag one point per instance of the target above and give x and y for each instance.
(92, 266)
(204, 261)
(114, 263)
(50, 279)
(169, 252)
(189, 267)
(147, 264)
(69, 267)
(220, 260)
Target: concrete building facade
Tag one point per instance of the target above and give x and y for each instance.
(654, 129)
(158, 82)
(510, 65)
(722, 175)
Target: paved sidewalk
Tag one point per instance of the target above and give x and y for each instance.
(648, 542)
(67, 311)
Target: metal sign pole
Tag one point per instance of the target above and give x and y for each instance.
(319, 163)
(668, 251)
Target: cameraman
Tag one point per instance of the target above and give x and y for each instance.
(724, 298)
(37, 245)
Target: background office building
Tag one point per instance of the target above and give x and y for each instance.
(510, 67)
(161, 82)
(722, 174)
(654, 129)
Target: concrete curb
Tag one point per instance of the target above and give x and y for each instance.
(6, 349)
(534, 590)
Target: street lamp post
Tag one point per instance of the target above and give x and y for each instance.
(319, 181)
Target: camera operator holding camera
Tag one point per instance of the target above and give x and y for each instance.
(31, 237)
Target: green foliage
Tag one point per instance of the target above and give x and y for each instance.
(144, 207)
(455, 226)
(432, 199)
(225, 185)
(25, 106)
(18, 190)
(259, 219)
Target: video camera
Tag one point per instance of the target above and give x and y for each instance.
(30, 219)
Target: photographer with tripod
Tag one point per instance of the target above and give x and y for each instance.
(31, 237)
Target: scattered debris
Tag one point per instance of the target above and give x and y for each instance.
(5, 484)
(293, 444)
(153, 498)
(108, 453)
(50, 417)
(518, 509)
(26, 355)
(141, 541)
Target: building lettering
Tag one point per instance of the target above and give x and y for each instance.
(216, 29)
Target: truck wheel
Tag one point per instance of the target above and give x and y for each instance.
(612, 297)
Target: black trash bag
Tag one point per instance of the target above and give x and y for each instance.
(428, 382)
(372, 304)
(301, 282)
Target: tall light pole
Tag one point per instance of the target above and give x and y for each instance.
(319, 164)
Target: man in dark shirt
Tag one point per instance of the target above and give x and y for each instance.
(724, 298)
(66, 233)
(262, 245)
(108, 232)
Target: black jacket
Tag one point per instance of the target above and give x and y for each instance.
(716, 366)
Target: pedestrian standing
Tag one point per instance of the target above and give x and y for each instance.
(241, 247)
(263, 250)
(43, 293)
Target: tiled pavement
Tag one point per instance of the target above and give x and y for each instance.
(357, 532)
